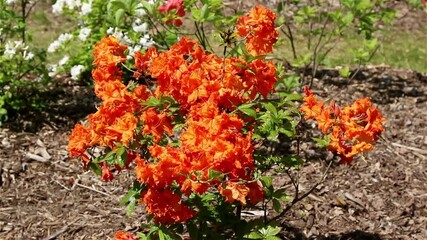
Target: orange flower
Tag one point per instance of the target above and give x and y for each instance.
(156, 123)
(166, 206)
(106, 74)
(121, 130)
(109, 52)
(172, 165)
(258, 29)
(143, 61)
(124, 236)
(256, 193)
(353, 128)
(110, 90)
(106, 175)
(78, 142)
(260, 77)
(207, 88)
(314, 109)
(234, 192)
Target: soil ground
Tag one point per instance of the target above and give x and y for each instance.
(381, 197)
(46, 195)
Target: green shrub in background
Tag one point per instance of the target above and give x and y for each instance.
(315, 29)
(22, 67)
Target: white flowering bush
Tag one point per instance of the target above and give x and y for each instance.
(130, 21)
(22, 67)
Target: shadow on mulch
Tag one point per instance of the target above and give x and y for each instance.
(381, 84)
(62, 103)
(296, 234)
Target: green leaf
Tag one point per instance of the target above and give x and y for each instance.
(118, 17)
(196, 14)
(272, 238)
(118, 4)
(161, 235)
(276, 205)
(271, 108)
(363, 5)
(270, 231)
(94, 167)
(3, 111)
(248, 111)
(267, 181)
(213, 174)
(322, 142)
(131, 207)
(371, 44)
(344, 72)
(254, 235)
(204, 12)
(281, 195)
(121, 157)
(128, 196)
(347, 19)
(292, 161)
(141, 236)
(280, 7)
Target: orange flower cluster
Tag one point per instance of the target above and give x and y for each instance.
(190, 76)
(214, 154)
(124, 236)
(115, 121)
(353, 129)
(258, 29)
(207, 88)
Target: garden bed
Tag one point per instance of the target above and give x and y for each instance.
(47, 195)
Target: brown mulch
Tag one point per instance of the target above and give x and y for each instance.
(47, 195)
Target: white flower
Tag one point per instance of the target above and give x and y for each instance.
(110, 30)
(86, 8)
(139, 10)
(10, 2)
(84, 33)
(76, 71)
(12, 48)
(58, 43)
(139, 28)
(9, 49)
(119, 35)
(73, 4)
(52, 70)
(58, 7)
(132, 51)
(28, 56)
(146, 41)
(63, 61)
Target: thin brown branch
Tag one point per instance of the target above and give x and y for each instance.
(296, 200)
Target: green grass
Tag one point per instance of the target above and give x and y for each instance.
(398, 49)
(45, 27)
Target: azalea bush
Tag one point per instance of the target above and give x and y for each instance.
(196, 128)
